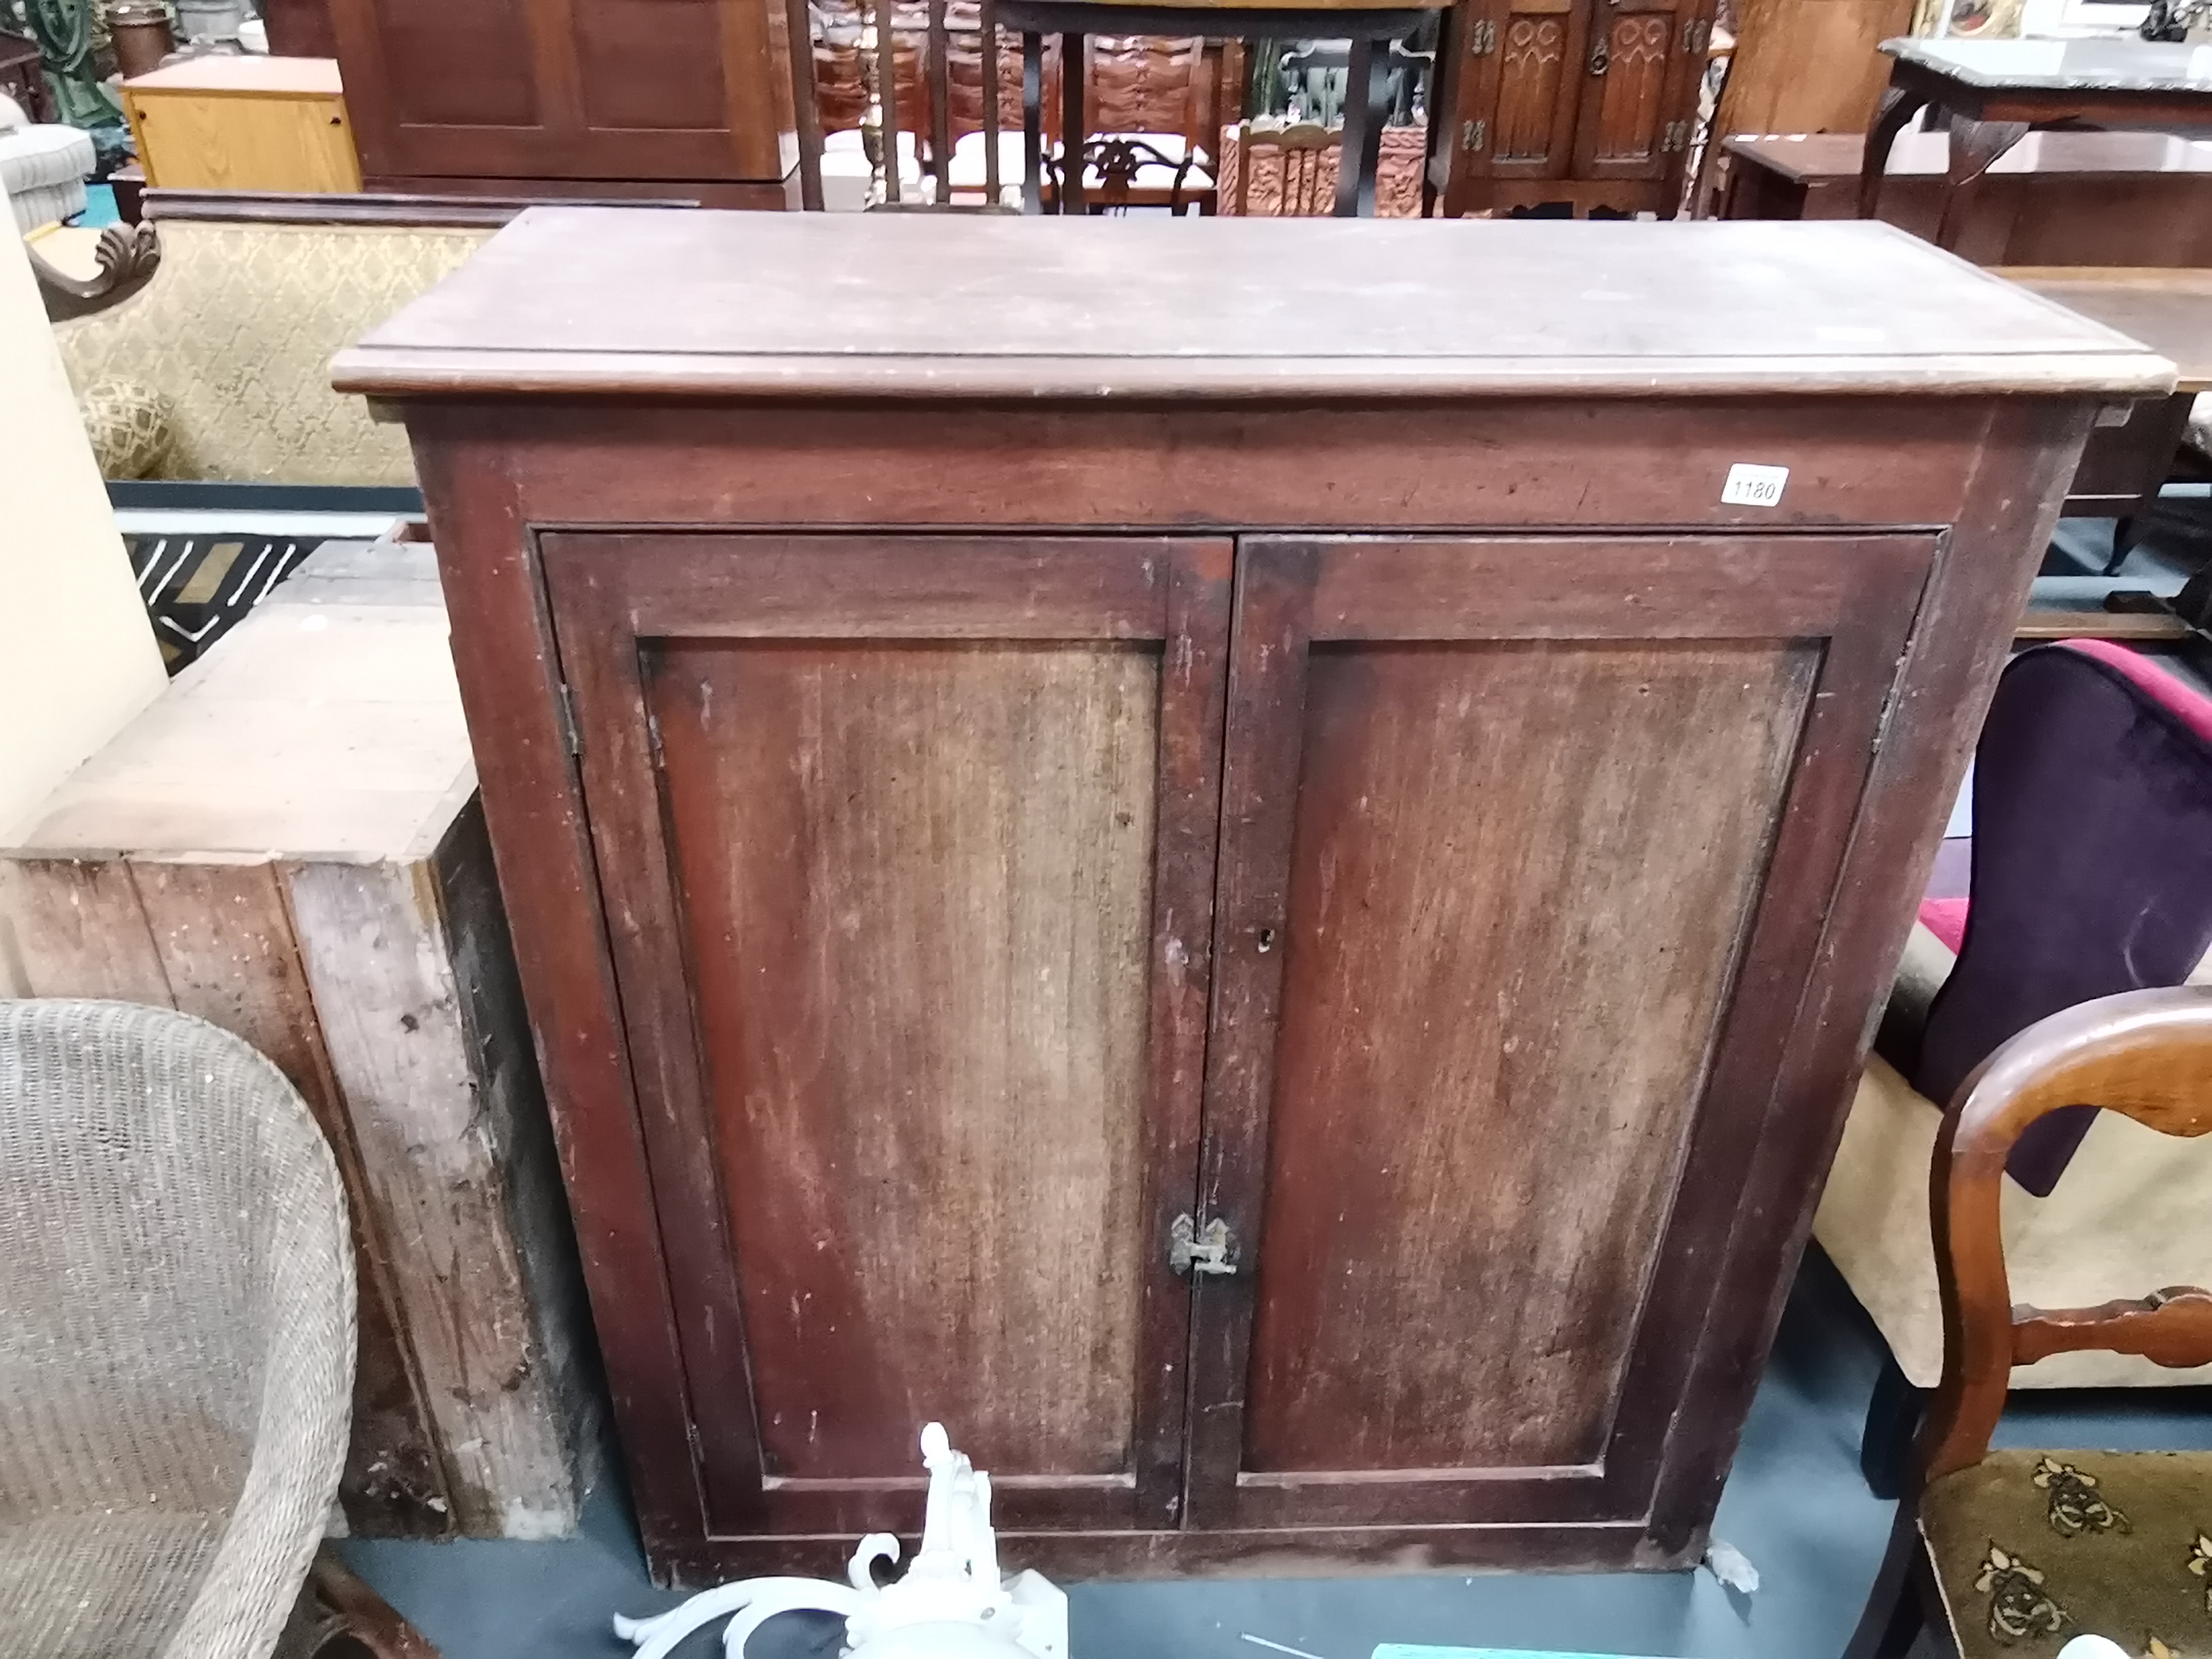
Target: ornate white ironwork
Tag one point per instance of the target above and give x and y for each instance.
(951, 1604)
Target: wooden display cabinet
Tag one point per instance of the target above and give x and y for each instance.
(689, 99)
(1269, 912)
(1588, 103)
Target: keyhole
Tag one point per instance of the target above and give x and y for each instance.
(1265, 939)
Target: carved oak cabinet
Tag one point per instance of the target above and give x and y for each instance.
(1590, 104)
(1262, 894)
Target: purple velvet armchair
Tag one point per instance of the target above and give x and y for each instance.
(2091, 875)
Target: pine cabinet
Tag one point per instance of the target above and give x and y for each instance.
(1268, 914)
(1588, 103)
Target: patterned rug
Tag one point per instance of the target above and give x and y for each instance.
(198, 585)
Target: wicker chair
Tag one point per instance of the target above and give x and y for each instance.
(176, 1337)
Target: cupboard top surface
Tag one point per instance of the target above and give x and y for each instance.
(685, 303)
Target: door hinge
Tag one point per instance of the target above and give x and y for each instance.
(1600, 55)
(1482, 39)
(1696, 36)
(1200, 1252)
(653, 736)
(1676, 136)
(1473, 135)
(571, 734)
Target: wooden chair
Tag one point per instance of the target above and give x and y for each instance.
(2015, 1552)
(1296, 185)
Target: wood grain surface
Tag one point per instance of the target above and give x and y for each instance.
(1449, 903)
(917, 888)
(1127, 307)
(929, 879)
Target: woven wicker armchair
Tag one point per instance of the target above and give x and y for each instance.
(176, 1337)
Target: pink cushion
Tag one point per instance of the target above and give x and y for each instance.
(1945, 918)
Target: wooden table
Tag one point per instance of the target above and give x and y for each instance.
(2055, 198)
(1365, 97)
(2171, 311)
(244, 124)
(1994, 91)
(1266, 902)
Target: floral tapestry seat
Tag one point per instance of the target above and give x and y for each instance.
(2033, 1548)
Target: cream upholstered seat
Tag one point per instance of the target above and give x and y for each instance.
(176, 1337)
(233, 336)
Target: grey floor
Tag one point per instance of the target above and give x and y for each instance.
(1795, 1505)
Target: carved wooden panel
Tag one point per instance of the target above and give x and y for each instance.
(1518, 71)
(1640, 91)
(1532, 64)
(1587, 94)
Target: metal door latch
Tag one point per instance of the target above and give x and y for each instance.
(1195, 1251)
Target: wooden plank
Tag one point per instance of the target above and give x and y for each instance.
(2037, 624)
(531, 800)
(226, 945)
(1511, 463)
(1252, 307)
(811, 587)
(73, 927)
(373, 946)
(2169, 311)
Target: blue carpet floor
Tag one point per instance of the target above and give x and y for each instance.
(1795, 1505)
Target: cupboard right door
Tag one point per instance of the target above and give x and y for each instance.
(1528, 846)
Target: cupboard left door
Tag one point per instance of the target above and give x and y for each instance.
(906, 846)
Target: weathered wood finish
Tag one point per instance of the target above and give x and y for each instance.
(863, 837)
(1513, 878)
(287, 844)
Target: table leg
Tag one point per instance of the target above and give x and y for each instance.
(1899, 106)
(1366, 89)
(1073, 126)
(1974, 146)
(1032, 121)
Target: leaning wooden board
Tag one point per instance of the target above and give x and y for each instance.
(1250, 863)
(288, 843)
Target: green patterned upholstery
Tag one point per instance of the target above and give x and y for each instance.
(2035, 1548)
(234, 335)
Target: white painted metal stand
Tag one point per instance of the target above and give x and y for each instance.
(951, 1604)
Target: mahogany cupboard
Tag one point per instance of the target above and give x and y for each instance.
(1590, 104)
(1266, 901)
(686, 99)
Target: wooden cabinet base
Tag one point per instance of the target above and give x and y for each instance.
(1267, 913)
(772, 196)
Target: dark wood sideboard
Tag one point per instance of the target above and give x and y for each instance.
(566, 97)
(1267, 903)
